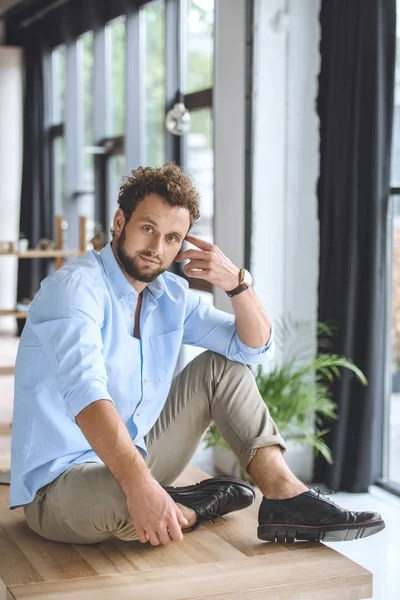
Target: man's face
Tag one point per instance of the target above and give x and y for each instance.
(147, 245)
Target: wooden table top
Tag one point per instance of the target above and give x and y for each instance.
(224, 560)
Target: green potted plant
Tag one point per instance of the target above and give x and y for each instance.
(297, 392)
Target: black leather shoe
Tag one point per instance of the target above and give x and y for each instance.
(310, 516)
(213, 498)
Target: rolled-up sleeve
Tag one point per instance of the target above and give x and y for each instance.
(67, 316)
(207, 327)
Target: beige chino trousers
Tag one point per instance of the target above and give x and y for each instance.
(85, 505)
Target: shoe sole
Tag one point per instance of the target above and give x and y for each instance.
(212, 481)
(334, 533)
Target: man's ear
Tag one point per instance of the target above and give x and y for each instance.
(119, 221)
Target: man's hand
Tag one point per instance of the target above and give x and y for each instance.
(154, 514)
(209, 263)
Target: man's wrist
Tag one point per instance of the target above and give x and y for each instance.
(235, 281)
(136, 473)
(245, 281)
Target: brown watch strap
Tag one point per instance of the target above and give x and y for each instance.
(241, 287)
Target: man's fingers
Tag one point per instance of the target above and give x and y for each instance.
(165, 536)
(198, 242)
(175, 531)
(190, 254)
(204, 265)
(142, 535)
(182, 520)
(153, 538)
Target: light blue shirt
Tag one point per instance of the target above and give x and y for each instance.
(78, 347)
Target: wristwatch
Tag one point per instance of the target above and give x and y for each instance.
(245, 281)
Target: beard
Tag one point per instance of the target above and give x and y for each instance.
(133, 265)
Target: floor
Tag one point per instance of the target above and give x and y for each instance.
(380, 554)
(221, 560)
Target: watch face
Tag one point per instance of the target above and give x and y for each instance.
(247, 278)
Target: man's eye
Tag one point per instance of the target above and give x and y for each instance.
(173, 238)
(147, 228)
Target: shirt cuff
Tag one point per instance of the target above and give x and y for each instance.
(254, 351)
(84, 394)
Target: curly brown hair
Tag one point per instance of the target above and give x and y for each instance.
(168, 181)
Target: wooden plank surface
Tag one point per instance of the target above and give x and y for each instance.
(304, 575)
(222, 560)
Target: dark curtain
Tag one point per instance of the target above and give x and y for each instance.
(36, 220)
(355, 107)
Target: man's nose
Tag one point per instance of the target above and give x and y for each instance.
(156, 245)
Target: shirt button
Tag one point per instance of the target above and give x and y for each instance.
(138, 414)
(145, 382)
(119, 296)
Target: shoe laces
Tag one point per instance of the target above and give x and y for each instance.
(208, 514)
(351, 515)
(326, 493)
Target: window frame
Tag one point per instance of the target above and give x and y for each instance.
(383, 481)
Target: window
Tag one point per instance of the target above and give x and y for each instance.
(86, 207)
(59, 84)
(59, 163)
(58, 61)
(198, 147)
(391, 462)
(90, 116)
(200, 45)
(153, 73)
(392, 446)
(200, 164)
(116, 75)
(115, 172)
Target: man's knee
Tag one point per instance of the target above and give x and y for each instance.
(210, 357)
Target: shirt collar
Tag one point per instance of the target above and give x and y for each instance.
(119, 282)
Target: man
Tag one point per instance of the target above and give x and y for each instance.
(101, 428)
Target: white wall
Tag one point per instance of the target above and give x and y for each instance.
(286, 166)
(10, 169)
(229, 133)
(286, 157)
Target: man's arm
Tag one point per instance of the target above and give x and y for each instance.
(246, 336)
(155, 516)
(252, 322)
(104, 429)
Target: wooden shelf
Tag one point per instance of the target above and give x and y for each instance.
(43, 253)
(21, 314)
(7, 370)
